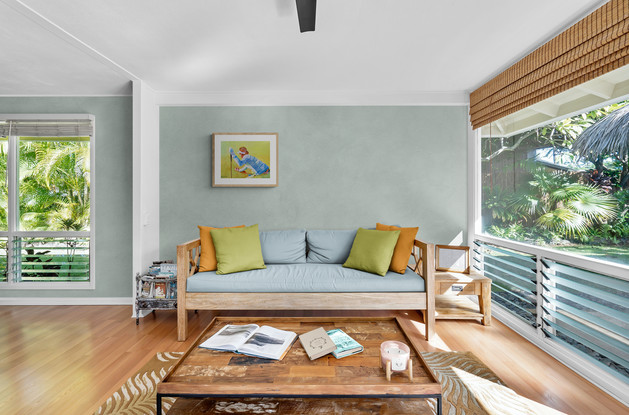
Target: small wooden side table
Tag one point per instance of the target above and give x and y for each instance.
(451, 289)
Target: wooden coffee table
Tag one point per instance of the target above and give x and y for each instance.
(203, 373)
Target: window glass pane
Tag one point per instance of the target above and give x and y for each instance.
(4, 190)
(54, 184)
(548, 187)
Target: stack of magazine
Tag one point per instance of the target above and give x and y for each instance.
(252, 340)
(318, 343)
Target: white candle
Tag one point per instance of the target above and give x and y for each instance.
(397, 353)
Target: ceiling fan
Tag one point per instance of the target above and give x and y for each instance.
(306, 13)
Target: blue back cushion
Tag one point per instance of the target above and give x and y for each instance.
(283, 247)
(329, 247)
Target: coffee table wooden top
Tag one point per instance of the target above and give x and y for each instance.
(204, 372)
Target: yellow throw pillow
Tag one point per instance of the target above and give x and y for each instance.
(403, 248)
(207, 262)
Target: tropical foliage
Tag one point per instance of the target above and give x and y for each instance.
(608, 138)
(544, 203)
(54, 185)
(53, 195)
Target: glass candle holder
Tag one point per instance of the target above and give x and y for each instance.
(395, 352)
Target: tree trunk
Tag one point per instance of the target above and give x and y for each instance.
(624, 176)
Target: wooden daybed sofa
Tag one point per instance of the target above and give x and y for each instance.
(326, 286)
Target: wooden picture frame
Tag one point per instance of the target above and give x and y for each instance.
(452, 258)
(244, 159)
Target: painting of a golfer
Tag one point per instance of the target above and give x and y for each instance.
(245, 159)
(247, 163)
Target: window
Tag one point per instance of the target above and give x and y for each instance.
(46, 226)
(552, 230)
(557, 187)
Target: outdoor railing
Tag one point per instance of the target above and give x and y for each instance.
(51, 259)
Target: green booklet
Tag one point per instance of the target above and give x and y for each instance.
(345, 345)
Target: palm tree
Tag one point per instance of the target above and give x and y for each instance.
(54, 195)
(608, 137)
(570, 209)
(54, 185)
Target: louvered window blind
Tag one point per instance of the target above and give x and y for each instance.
(587, 312)
(47, 128)
(512, 277)
(597, 44)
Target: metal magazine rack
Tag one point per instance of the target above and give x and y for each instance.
(156, 290)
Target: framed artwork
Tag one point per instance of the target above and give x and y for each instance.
(452, 258)
(244, 160)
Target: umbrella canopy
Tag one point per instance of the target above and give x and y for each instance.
(608, 136)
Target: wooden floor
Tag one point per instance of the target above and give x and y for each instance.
(68, 359)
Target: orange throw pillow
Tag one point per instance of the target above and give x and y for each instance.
(403, 248)
(207, 262)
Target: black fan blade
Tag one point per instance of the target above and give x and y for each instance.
(307, 13)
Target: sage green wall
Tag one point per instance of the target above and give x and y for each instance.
(339, 168)
(113, 189)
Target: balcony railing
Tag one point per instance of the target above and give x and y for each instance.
(51, 259)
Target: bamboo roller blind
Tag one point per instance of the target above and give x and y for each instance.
(595, 45)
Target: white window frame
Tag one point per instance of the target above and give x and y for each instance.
(588, 370)
(12, 165)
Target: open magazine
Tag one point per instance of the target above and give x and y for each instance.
(252, 340)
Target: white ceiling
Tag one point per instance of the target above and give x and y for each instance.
(88, 47)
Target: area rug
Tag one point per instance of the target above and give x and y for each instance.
(469, 388)
(137, 395)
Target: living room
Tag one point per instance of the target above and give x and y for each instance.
(383, 114)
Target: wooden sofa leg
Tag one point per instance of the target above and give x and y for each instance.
(429, 319)
(182, 324)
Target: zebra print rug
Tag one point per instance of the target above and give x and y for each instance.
(469, 388)
(137, 395)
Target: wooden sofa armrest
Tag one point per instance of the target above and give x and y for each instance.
(187, 264)
(188, 255)
(424, 255)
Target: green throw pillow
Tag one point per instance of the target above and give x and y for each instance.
(237, 249)
(372, 251)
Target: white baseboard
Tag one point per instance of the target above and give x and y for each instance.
(589, 371)
(66, 301)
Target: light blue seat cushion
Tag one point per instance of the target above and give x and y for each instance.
(329, 247)
(283, 247)
(305, 278)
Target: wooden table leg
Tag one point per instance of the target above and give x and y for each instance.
(484, 301)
